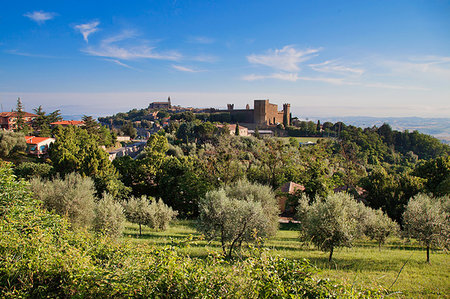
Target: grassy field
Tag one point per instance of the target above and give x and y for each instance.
(306, 139)
(364, 265)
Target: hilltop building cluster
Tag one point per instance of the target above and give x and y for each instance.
(263, 114)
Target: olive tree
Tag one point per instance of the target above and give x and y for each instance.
(11, 142)
(331, 222)
(148, 211)
(72, 197)
(427, 219)
(109, 218)
(237, 213)
(379, 226)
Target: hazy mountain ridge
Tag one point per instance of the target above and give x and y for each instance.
(437, 127)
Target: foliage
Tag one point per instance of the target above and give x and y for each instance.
(109, 218)
(428, 220)
(437, 175)
(11, 142)
(237, 214)
(72, 197)
(28, 170)
(75, 150)
(332, 222)
(378, 226)
(148, 211)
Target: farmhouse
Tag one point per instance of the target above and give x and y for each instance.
(38, 146)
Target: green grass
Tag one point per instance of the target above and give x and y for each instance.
(305, 139)
(363, 265)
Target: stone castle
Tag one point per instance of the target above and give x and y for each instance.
(263, 113)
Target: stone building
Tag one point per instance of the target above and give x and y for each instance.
(263, 114)
(161, 105)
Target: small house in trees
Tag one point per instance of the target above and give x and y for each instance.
(8, 120)
(243, 131)
(288, 189)
(38, 146)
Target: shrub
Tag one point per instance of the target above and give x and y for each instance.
(109, 218)
(11, 142)
(428, 220)
(28, 170)
(72, 197)
(237, 214)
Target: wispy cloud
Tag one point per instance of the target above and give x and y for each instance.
(115, 47)
(294, 77)
(333, 66)
(40, 17)
(26, 54)
(286, 59)
(118, 62)
(87, 29)
(186, 69)
(205, 58)
(436, 66)
(200, 40)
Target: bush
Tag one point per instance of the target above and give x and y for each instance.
(145, 211)
(28, 170)
(11, 142)
(428, 220)
(109, 218)
(72, 197)
(238, 214)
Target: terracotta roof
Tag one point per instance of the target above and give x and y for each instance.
(292, 187)
(14, 114)
(68, 122)
(35, 140)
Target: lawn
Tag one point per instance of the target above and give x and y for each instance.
(305, 139)
(363, 265)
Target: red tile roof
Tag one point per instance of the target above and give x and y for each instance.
(68, 122)
(14, 114)
(35, 140)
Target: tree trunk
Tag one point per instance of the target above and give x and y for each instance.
(428, 254)
(331, 254)
(140, 230)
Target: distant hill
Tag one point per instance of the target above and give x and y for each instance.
(437, 127)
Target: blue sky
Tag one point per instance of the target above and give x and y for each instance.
(326, 58)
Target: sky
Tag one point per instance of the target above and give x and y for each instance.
(326, 58)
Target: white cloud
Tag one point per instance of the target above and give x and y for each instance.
(332, 66)
(113, 47)
(286, 59)
(436, 66)
(185, 69)
(293, 77)
(87, 29)
(40, 16)
(200, 40)
(118, 62)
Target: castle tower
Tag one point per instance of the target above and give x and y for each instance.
(286, 114)
(170, 104)
(260, 111)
